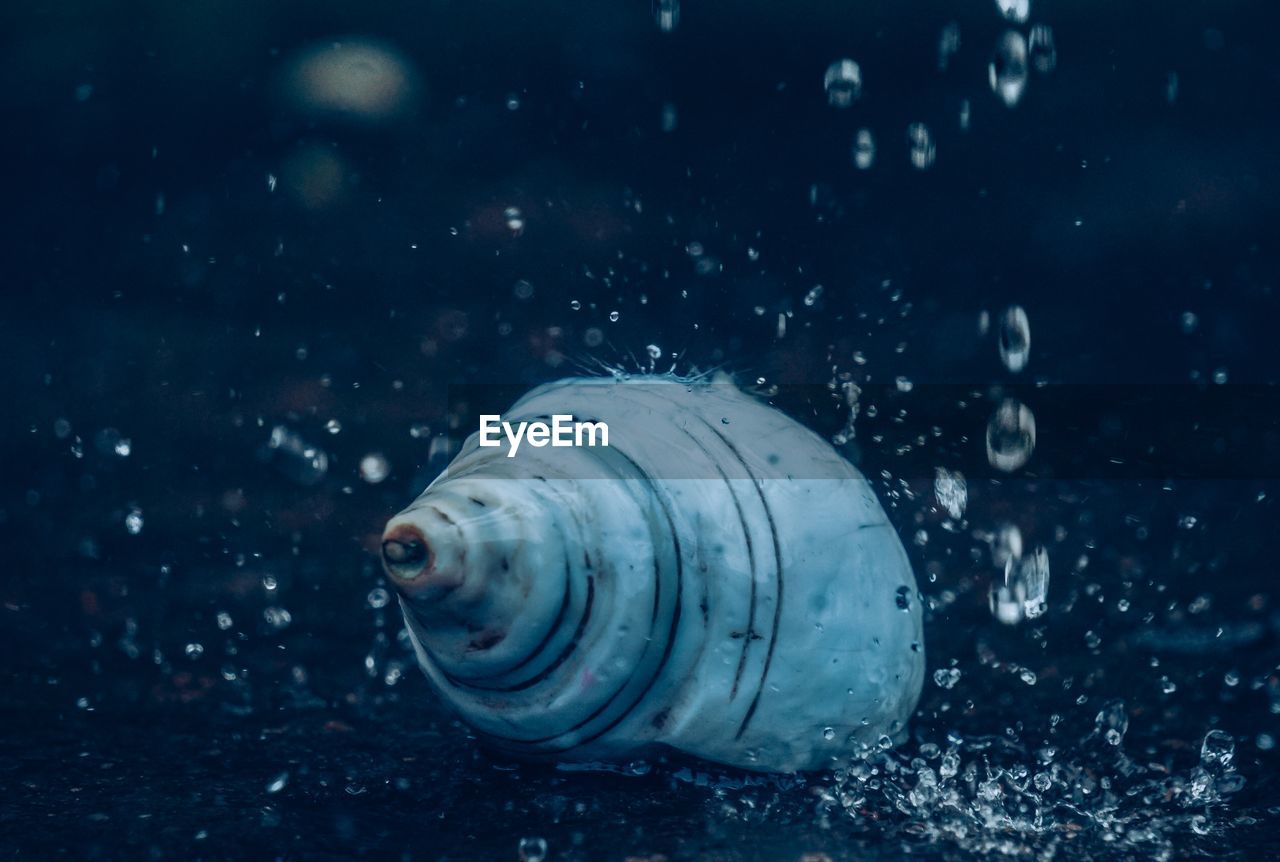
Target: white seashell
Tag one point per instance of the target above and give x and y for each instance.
(718, 580)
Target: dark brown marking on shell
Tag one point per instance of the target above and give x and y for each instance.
(777, 610)
(486, 640)
(560, 659)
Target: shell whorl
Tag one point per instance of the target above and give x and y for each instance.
(717, 580)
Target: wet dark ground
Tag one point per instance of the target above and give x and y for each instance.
(198, 659)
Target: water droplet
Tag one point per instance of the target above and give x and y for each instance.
(1112, 721)
(864, 149)
(948, 44)
(333, 426)
(1190, 322)
(613, 316)
(378, 598)
(1029, 580)
(514, 219)
(1015, 338)
(1006, 605)
(575, 304)
(133, 521)
(1041, 48)
(374, 468)
(921, 146)
(532, 849)
(828, 733)
(278, 783)
(277, 618)
(946, 677)
(224, 620)
(843, 83)
(814, 294)
(194, 650)
(1007, 72)
(1011, 436)
(952, 492)
(295, 458)
(667, 14)
(1016, 11)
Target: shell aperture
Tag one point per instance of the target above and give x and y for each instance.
(717, 580)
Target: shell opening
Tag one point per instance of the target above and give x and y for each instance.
(405, 555)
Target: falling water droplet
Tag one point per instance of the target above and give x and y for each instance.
(1015, 338)
(843, 83)
(922, 149)
(1007, 72)
(133, 521)
(1011, 436)
(948, 44)
(295, 458)
(374, 468)
(1112, 721)
(951, 491)
(1041, 48)
(514, 219)
(667, 14)
(532, 849)
(864, 149)
(1016, 11)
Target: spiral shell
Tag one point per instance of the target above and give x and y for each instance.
(718, 580)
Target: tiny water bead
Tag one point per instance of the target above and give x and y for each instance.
(1007, 72)
(514, 219)
(133, 521)
(1015, 338)
(843, 83)
(374, 468)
